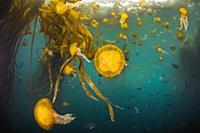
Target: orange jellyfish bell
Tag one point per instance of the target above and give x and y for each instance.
(109, 60)
(183, 11)
(44, 114)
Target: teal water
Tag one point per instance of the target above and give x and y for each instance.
(155, 95)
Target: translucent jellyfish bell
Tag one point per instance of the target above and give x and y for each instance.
(46, 116)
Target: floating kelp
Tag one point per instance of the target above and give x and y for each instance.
(15, 16)
(69, 41)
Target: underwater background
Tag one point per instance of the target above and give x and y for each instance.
(157, 96)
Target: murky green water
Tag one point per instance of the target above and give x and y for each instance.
(157, 96)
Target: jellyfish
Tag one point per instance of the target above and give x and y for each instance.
(123, 20)
(161, 50)
(46, 116)
(183, 18)
(123, 36)
(69, 70)
(109, 60)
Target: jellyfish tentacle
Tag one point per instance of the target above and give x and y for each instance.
(181, 24)
(85, 87)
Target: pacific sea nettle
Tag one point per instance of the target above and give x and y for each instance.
(70, 39)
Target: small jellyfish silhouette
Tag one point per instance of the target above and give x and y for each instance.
(90, 126)
(183, 18)
(46, 116)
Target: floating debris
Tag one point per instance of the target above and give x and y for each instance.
(175, 66)
(20, 77)
(154, 31)
(65, 104)
(140, 43)
(25, 42)
(133, 41)
(131, 97)
(163, 40)
(140, 22)
(138, 54)
(126, 50)
(166, 24)
(134, 108)
(90, 126)
(174, 18)
(172, 48)
(26, 31)
(134, 34)
(48, 52)
(162, 77)
(140, 38)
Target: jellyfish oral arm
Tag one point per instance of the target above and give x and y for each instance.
(63, 119)
(186, 23)
(181, 24)
(82, 55)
